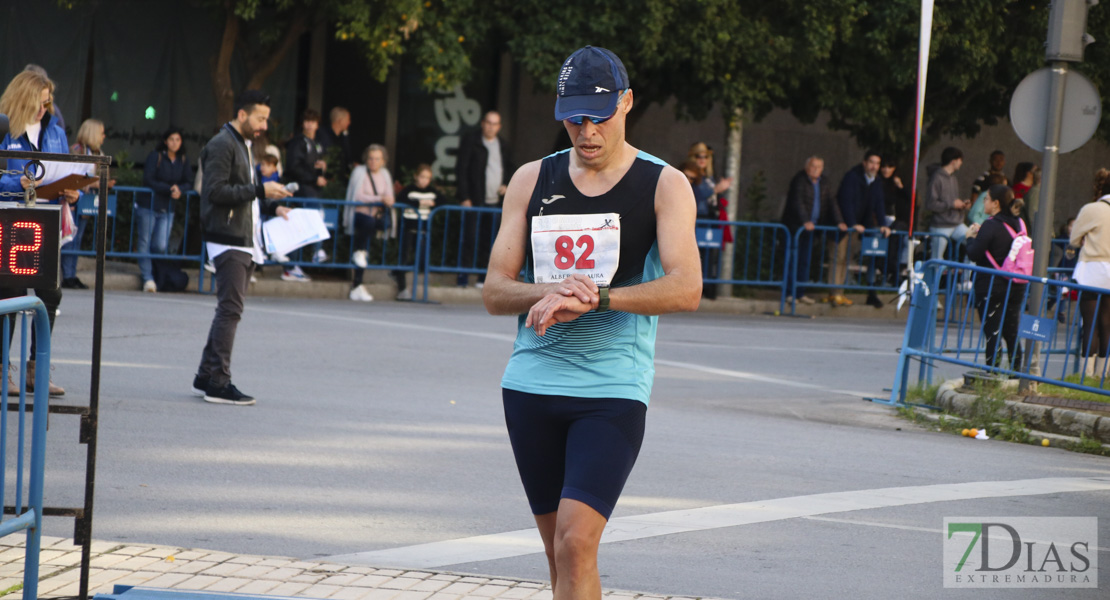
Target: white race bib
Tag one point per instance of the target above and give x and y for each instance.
(586, 244)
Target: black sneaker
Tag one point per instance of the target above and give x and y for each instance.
(200, 385)
(873, 300)
(228, 394)
(73, 283)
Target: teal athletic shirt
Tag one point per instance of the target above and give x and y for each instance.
(598, 355)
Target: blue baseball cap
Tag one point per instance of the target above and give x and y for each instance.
(590, 83)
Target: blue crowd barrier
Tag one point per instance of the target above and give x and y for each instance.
(28, 493)
(951, 331)
(872, 262)
(458, 240)
(762, 254)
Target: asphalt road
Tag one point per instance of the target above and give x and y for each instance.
(379, 427)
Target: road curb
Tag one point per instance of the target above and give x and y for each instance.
(1060, 421)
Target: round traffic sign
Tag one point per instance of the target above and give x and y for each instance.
(1029, 110)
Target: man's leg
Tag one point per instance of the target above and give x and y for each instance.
(841, 270)
(233, 273)
(578, 530)
(801, 275)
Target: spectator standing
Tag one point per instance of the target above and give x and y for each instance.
(898, 216)
(419, 198)
(168, 174)
(1025, 175)
(996, 166)
(90, 138)
(372, 186)
(1091, 234)
(231, 206)
(337, 135)
(481, 173)
(998, 299)
(862, 205)
(809, 202)
(29, 103)
(943, 199)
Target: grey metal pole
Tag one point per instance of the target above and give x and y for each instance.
(1043, 225)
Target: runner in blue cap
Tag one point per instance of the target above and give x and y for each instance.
(605, 235)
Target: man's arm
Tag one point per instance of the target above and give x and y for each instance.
(934, 200)
(795, 203)
(503, 294)
(679, 289)
(217, 173)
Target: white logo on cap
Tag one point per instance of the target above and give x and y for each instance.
(598, 90)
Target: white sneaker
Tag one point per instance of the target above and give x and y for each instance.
(150, 286)
(295, 274)
(359, 294)
(279, 258)
(320, 256)
(404, 295)
(479, 285)
(254, 279)
(360, 258)
(211, 268)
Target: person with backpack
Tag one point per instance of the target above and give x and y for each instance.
(1002, 243)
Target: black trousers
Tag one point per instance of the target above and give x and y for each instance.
(1000, 314)
(51, 298)
(233, 275)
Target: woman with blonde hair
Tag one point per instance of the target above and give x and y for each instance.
(29, 103)
(1091, 231)
(90, 138)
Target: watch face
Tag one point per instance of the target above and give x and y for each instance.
(29, 247)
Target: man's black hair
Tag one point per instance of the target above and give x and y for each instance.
(950, 154)
(249, 98)
(997, 153)
(870, 153)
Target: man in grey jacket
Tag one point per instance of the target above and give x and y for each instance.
(942, 199)
(231, 205)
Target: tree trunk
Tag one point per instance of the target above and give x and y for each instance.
(261, 70)
(732, 169)
(221, 70)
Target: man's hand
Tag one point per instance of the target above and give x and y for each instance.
(842, 226)
(71, 196)
(581, 287)
(175, 192)
(276, 191)
(321, 182)
(555, 308)
(885, 231)
(283, 212)
(858, 228)
(322, 165)
(466, 203)
(808, 226)
(959, 204)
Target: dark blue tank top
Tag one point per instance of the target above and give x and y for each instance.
(598, 355)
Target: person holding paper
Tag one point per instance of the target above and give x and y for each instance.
(29, 103)
(90, 138)
(231, 206)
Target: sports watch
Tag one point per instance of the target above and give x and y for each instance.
(602, 298)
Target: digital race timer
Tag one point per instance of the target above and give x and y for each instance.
(29, 247)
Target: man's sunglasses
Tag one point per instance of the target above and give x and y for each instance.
(578, 120)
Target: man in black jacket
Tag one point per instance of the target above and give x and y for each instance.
(862, 204)
(230, 206)
(305, 166)
(481, 173)
(809, 202)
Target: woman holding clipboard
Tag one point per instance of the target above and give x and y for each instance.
(29, 103)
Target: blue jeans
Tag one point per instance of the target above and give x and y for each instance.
(69, 261)
(152, 230)
(958, 233)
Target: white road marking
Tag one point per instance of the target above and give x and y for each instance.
(905, 527)
(527, 541)
(761, 378)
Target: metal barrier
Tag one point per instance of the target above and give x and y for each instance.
(28, 505)
(122, 218)
(762, 254)
(866, 257)
(949, 333)
(459, 244)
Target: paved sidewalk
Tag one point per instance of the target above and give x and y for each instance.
(181, 568)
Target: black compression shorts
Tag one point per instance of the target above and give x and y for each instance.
(578, 448)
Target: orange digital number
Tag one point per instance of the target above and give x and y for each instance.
(13, 254)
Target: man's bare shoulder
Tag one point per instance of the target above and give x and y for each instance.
(524, 179)
(673, 186)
